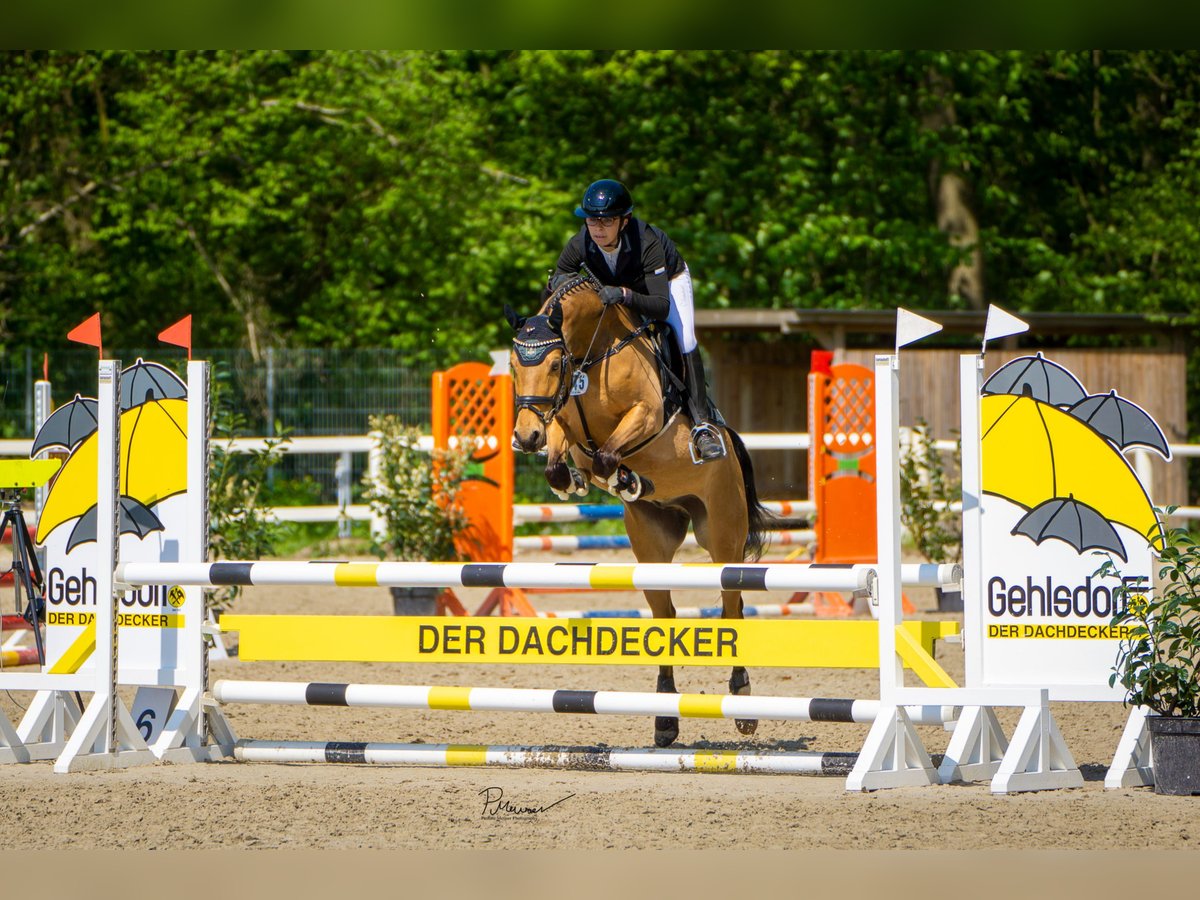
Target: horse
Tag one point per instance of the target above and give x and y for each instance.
(588, 391)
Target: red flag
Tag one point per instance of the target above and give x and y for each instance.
(820, 361)
(88, 333)
(179, 334)
(45, 367)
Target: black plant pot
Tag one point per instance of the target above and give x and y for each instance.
(949, 600)
(415, 601)
(1175, 749)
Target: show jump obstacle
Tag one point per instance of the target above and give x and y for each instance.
(151, 584)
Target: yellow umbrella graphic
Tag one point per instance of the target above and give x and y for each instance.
(1034, 452)
(153, 468)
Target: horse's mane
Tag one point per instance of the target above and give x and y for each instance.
(583, 278)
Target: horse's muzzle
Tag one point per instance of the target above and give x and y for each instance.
(530, 441)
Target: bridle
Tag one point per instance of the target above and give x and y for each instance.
(541, 334)
(535, 340)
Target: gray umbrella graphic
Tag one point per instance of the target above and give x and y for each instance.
(67, 426)
(145, 381)
(135, 518)
(1121, 421)
(1072, 521)
(1037, 377)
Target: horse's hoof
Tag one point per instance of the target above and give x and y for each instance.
(666, 730)
(739, 685)
(561, 495)
(629, 488)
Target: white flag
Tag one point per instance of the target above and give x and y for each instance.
(499, 362)
(1001, 324)
(910, 327)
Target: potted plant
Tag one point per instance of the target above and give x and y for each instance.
(1158, 663)
(414, 496)
(928, 493)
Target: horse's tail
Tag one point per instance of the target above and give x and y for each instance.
(756, 513)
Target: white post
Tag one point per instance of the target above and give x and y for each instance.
(43, 406)
(887, 518)
(375, 472)
(105, 736)
(970, 383)
(342, 469)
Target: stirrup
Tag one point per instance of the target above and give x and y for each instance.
(705, 428)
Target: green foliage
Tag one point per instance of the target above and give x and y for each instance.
(239, 526)
(927, 491)
(398, 199)
(1159, 664)
(417, 494)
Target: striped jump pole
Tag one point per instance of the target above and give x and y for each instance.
(618, 703)
(582, 759)
(20, 656)
(587, 576)
(13, 623)
(566, 543)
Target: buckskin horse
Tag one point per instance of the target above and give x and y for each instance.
(589, 391)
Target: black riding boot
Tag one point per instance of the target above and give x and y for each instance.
(707, 443)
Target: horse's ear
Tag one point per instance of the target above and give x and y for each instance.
(556, 317)
(513, 319)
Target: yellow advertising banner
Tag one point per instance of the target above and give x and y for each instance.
(714, 642)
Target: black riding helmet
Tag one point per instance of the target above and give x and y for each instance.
(605, 198)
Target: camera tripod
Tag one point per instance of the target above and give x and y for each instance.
(27, 573)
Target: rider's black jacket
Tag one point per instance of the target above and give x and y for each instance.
(647, 261)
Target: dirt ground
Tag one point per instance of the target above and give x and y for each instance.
(231, 805)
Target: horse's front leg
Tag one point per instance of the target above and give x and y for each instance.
(563, 479)
(666, 728)
(639, 423)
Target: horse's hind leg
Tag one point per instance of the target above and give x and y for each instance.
(739, 678)
(725, 539)
(654, 536)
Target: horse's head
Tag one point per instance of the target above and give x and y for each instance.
(541, 367)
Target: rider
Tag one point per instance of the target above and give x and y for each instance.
(640, 268)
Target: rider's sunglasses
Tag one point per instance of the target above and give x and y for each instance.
(604, 221)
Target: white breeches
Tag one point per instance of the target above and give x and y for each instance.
(681, 317)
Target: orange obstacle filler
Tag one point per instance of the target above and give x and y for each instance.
(473, 405)
(841, 470)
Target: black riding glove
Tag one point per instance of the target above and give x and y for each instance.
(557, 281)
(610, 294)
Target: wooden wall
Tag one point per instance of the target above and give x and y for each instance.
(763, 387)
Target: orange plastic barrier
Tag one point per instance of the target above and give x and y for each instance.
(841, 462)
(841, 465)
(472, 405)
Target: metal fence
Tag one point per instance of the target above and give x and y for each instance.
(299, 391)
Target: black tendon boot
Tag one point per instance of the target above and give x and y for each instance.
(707, 443)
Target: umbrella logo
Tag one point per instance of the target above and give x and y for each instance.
(153, 412)
(1055, 450)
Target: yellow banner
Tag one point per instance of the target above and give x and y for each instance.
(715, 642)
(124, 620)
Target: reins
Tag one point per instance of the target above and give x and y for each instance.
(543, 340)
